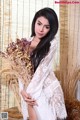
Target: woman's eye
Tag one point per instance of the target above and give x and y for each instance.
(39, 23)
(47, 27)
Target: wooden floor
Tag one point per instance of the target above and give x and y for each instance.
(14, 114)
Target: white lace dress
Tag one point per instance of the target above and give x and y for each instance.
(46, 89)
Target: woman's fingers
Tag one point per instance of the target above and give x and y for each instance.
(25, 95)
(31, 101)
(28, 98)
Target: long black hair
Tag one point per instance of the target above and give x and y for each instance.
(43, 47)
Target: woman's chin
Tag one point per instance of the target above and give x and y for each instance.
(38, 36)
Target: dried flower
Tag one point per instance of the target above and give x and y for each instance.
(18, 56)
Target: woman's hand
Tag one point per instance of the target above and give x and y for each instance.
(28, 98)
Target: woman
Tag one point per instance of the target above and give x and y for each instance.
(43, 98)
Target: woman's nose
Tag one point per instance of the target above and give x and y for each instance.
(41, 28)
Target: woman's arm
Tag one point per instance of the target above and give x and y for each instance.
(27, 98)
(44, 68)
(30, 103)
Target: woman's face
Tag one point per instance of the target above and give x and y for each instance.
(42, 27)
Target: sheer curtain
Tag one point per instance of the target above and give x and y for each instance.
(70, 48)
(15, 22)
(17, 15)
(24, 13)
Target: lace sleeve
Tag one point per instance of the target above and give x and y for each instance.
(45, 66)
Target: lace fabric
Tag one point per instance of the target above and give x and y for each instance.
(44, 86)
(44, 68)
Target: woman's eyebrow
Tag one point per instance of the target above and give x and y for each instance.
(41, 23)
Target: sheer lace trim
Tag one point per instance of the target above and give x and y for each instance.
(57, 101)
(55, 97)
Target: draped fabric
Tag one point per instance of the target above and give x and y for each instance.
(15, 22)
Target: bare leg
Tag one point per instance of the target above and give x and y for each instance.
(32, 113)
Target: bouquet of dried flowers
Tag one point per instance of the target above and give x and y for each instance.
(19, 66)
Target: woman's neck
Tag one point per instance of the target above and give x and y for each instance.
(34, 42)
